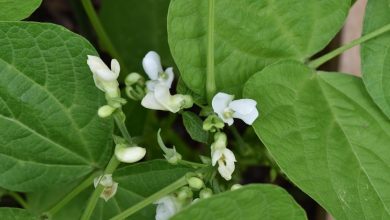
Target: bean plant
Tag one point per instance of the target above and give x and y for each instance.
(162, 112)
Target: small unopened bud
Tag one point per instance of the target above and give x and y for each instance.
(105, 111)
(213, 123)
(127, 154)
(134, 78)
(205, 193)
(184, 194)
(235, 186)
(110, 186)
(195, 183)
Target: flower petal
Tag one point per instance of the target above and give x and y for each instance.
(130, 154)
(164, 98)
(106, 75)
(167, 206)
(225, 173)
(220, 102)
(171, 76)
(248, 118)
(95, 63)
(243, 106)
(152, 65)
(216, 155)
(115, 67)
(150, 102)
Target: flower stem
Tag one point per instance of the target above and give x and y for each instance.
(323, 59)
(192, 164)
(19, 199)
(100, 32)
(111, 167)
(168, 189)
(85, 184)
(122, 127)
(210, 80)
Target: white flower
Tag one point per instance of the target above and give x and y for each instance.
(227, 109)
(110, 186)
(226, 160)
(161, 99)
(152, 66)
(127, 154)
(167, 207)
(104, 77)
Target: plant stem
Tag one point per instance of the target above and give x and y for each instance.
(321, 60)
(111, 167)
(18, 198)
(168, 189)
(85, 184)
(210, 80)
(100, 32)
(192, 164)
(122, 127)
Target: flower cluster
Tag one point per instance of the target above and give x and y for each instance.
(158, 96)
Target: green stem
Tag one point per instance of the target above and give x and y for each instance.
(100, 32)
(111, 167)
(210, 80)
(122, 127)
(19, 199)
(321, 60)
(192, 164)
(85, 184)
(168, 189)
(243, 146)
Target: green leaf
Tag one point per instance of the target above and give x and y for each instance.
(136, 27)
(328, 137)
(16, 214)
(49, 129)
(194, 127)
(252, 202)
(375, 54)
(15, 10)
(249, 35)
(136, 182)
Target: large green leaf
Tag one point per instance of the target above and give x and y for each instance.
(136, 182)
(15, 10)
(136, 27)
(252, 202)
(375, 54)
(49, 130)
(249, 34)
(15, 214)
(327, 136)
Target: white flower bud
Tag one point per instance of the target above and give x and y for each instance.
(105, 111)
(134, 78)
(205, 193)
(127, 154)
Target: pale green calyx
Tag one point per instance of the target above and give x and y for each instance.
(170, 154)
(213, 123)
(105, 111)
(195, 183)
(235, 187)
(110, 186)
(220, 141)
